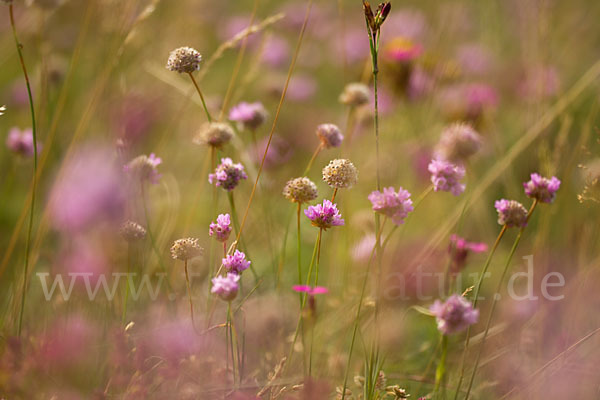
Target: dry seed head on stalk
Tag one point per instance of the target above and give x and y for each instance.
(215, 134)
(186, 249)
(340, 174)
(132, 231)
(184, 60)
(355, 94)
(329, 135)
(300, 190)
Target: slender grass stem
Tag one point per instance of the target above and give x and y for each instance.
(298, 212)
(208, 117)
(189, 291)
(127, 288)
(440, 372)
(495, 300)
(475, 298)
(19, 47)
(312, 159)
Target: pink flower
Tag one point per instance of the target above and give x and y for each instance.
(330, 135)
(144, 168)
(401, 49)
(542, 189)
(310, 290)
(236, 263)
(21, 142)
(454, 315)
(250, 116)
(324, 215)
(445, 176)
(392, 204)
(228, 175)
(511, 213)
(222, 228)
(226, 287)
(459, 249)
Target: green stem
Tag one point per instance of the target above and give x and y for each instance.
(236, 225)
(299, 252)
(440, 372)
(495, 300)
(189, 291)
(35, 166)
(129, 256)
(201, 97)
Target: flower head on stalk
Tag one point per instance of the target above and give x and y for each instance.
(214, 134)
(132, 231)
(300, 190)
(324, 215)
(236, 263)
(249, 116)
(375, 20)
(511, 213)
(340, 174)
(227, 174)
(446, 176)
(355, 94)
(395, 205)
(186, 249)
(145, 168)
(184, 60)
(542, 189)
(458, 142)
(454, 315)
(221, 229)
(226, 287)
(459, 250)
(329, 135)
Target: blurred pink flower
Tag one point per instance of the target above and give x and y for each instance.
(276, 51)
(310, 290)
(454, 315)
(21, 142)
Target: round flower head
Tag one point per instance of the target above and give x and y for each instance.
(227, 175)
(392, 204)
(186, 249)
(131, 231)
(330, 135)
(445, 176)
(184, 59)
(340, 174)
(21, 142)
(249, 115)
(222, 228)
(300, 190)
(458, 142)
(215, 134)
(542, 189)
(454, 315)
(355, 94)
(226, 287)
(236, 263)
(145, 167)
(511, 213)
(324, 215)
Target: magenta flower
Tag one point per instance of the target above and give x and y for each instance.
(236, 263)
(324, 215)
(310, 290)
(227, 175)
(402, 50)
(511, 213)
(445, 176)
(226, 287)
(454, 315)
(391, 204)
(542, 189)
(460, 248)
(21, 142)
(249, 115)
(222, 228)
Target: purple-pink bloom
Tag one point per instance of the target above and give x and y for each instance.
(21, 142)
(454, 315)
(459, 249)
(392, 204)
(145, 168)
(227, 175)
(222, 228)
(542, 189)
(330, 135)
(249, 115)
(226, 287)
(324, 215)
(446, 176)
(236, 263)
(511, 213)
(310, 290)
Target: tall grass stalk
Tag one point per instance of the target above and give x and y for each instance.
(19, 46)
(208, 117)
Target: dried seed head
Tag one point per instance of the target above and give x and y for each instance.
(340, 173)
(330, 135)
(186, 249)
(355, 94)
(300, 190)
(184, 59)
(458, 142)
(215, 134)
(132, 231)
(511, 213)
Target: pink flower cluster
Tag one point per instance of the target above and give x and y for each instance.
(511, 213)
(249, 115)
(236, 263)
(392, 204)
(446, 176)
(454, 315)
(542, 189)
(324, 215)
(226, 287)
(228, 175)
(222, 228)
